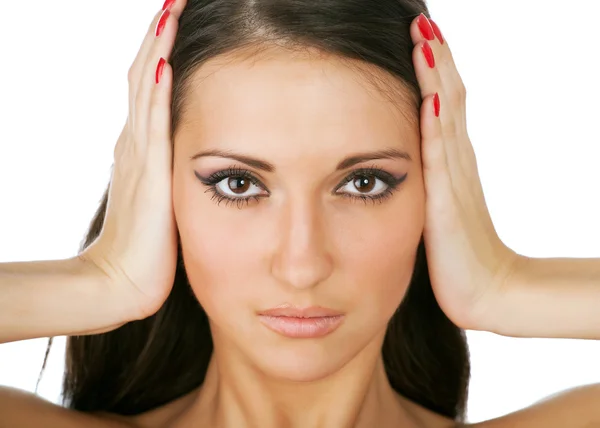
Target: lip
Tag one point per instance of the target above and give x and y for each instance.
(311, 322)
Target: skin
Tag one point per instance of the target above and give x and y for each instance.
(302, 203)
(300, 244)
(479, 282)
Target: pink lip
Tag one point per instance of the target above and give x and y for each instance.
(301, 323)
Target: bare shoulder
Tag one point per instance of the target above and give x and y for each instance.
(574, 408)
(23, 409)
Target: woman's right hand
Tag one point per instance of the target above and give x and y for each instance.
(136, 251)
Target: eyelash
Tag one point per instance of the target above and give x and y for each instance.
(212, 180)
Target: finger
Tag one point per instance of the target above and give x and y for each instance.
(423, 29)
(438, 185)
(430, 82)
(460, 154)
(448, 58)
(437, 31)
(428, 66)
(135, 71)
(140, 59)
(162, 48)
(175, 9)
(448, 67)
(178, 7)
(159, 126)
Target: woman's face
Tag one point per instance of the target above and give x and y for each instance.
(303, 228)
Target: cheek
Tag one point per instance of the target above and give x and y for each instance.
(221, 253)
(378, 255)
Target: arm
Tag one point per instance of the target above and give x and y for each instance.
(54, 298)
(127, 272)
(22, 409)
(574, 408)
(550, 298)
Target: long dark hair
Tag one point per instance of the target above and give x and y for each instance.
(147, 363)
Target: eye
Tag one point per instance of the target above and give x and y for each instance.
(234, 186)
(237, 187)
(240, 187)
(366, 185)
(369, 185)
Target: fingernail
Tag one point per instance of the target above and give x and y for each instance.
(162, 22)
(428, 54)
(436, 105)
(425, 28)
(168, 4)
(437, 31)
(159, 69)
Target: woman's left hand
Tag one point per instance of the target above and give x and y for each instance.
(468, 263)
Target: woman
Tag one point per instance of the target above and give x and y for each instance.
(284, 281)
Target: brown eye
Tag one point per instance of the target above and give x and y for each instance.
(364, 183)
(234, 185)
(238, 185)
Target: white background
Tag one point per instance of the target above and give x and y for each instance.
(531, 70)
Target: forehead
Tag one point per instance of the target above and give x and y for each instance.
(304, 97)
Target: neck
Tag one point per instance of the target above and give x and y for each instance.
(237, 395)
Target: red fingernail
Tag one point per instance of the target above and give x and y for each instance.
(437, 31)
(436, 105)
(428, 54)
(425, 28)
(159, 69)
(168, 4)
(162, 22)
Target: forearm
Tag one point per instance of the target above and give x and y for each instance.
(550, 298)
(54, 298)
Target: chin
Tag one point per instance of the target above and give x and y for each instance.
(301, 360)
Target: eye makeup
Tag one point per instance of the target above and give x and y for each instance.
(231, 186)
(370, 176)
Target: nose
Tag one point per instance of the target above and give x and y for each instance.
(301, 259)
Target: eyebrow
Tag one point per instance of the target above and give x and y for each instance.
(347, 162)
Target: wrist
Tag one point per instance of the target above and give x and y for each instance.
(503, 305)
(111, 298)
(496, 306)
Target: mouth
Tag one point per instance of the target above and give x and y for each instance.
(305, 323)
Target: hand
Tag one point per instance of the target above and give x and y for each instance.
(468, 263)
(137, 247)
